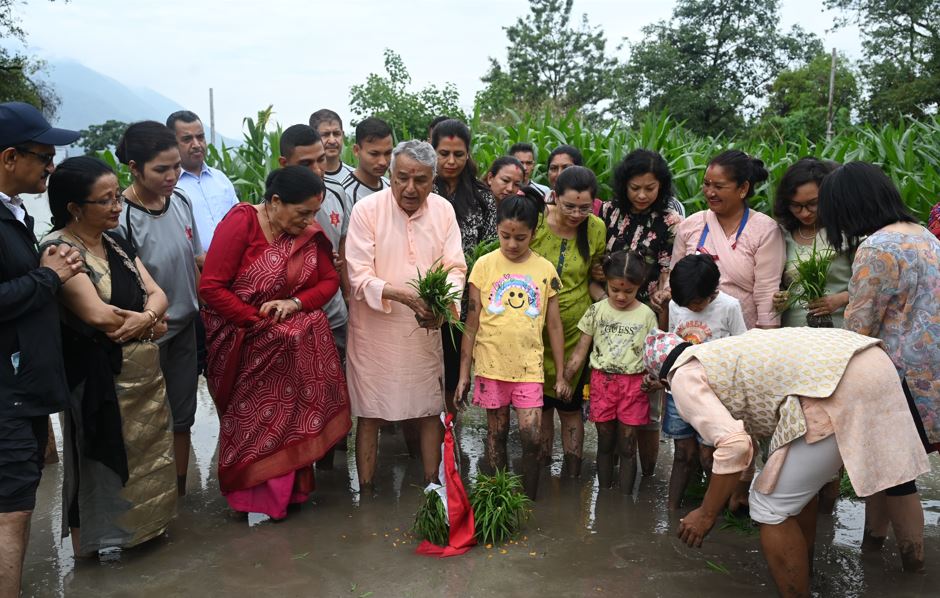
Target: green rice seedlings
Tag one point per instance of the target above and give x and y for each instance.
(809, 283)
(439, 294)
(500, 506)
(431, 520)
(739, 523)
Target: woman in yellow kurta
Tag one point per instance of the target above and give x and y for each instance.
(572, 239)
(395, 371)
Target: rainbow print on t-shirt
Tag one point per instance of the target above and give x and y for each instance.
(515, 290)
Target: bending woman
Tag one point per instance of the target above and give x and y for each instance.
(120, 485)
(273, 369)
(818, 395)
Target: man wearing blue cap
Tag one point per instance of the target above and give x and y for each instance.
(32, 373)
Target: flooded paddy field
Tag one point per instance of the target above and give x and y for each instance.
(580, 541)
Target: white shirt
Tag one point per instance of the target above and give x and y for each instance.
(212, 196)
(15, 205)
(723, 317)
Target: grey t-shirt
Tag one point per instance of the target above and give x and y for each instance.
(167, 242)
(333, 217)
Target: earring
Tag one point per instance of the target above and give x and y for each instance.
(78, 219)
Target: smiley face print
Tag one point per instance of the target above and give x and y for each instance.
(518, 292)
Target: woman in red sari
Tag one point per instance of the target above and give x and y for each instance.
(273, 369)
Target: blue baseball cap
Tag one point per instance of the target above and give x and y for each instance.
(22, 123)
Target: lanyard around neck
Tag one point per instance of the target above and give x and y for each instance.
(700, 248)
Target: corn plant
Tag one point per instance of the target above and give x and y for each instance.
(908, 151)
(500, 506)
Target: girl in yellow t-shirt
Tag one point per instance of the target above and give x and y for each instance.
(513, 295)
(617, 326)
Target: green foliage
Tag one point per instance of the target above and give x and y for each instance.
(19, 71)
(909, 152)
(705, 64)
(846, 490)
(407, 112)
(809, 282)
(123, 172)
(439, 294)
(550, 63)
(500, 507)
(97, 138)
(483, 247)
(799, 99)
(431, 520)
(741, 524)
(901, 41)
(248, 165)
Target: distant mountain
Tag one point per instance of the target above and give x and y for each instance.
(90, 98)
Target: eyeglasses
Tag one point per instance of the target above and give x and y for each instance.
(569, 209)
(810, 207)
(108, 203)
(46, 159)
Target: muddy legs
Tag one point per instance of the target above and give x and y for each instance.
(530, 429)
(684, 465)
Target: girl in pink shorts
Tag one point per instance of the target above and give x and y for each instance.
(617, 327)
(513, 297)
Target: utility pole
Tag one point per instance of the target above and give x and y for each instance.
(212, 114)
(832, 93)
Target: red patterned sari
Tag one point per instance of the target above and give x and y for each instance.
(278, 387)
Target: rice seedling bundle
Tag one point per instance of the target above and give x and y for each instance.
(500, 506)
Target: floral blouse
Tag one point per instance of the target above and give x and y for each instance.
(654, 230)
(479, 225)
(893, 296)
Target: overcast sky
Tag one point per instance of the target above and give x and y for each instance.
(301, 55)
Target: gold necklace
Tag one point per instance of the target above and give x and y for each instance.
(141, 204)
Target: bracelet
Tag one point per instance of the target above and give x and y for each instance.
(153, 317)
(151, 334)
(300, 306)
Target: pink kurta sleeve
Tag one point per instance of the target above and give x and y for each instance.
(699, 405)
(769, 259)
(364, 283)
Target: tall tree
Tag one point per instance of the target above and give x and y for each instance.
(902, 55)
(798, 101)
(98, 138)
(407, 112)
(710, 63)
(549, 62)
(19, 72)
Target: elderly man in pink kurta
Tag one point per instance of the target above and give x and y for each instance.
(395, 370)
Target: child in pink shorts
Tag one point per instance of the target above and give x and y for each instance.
(617, 326)
(513, 295)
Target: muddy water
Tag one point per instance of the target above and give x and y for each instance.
(581, 542)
